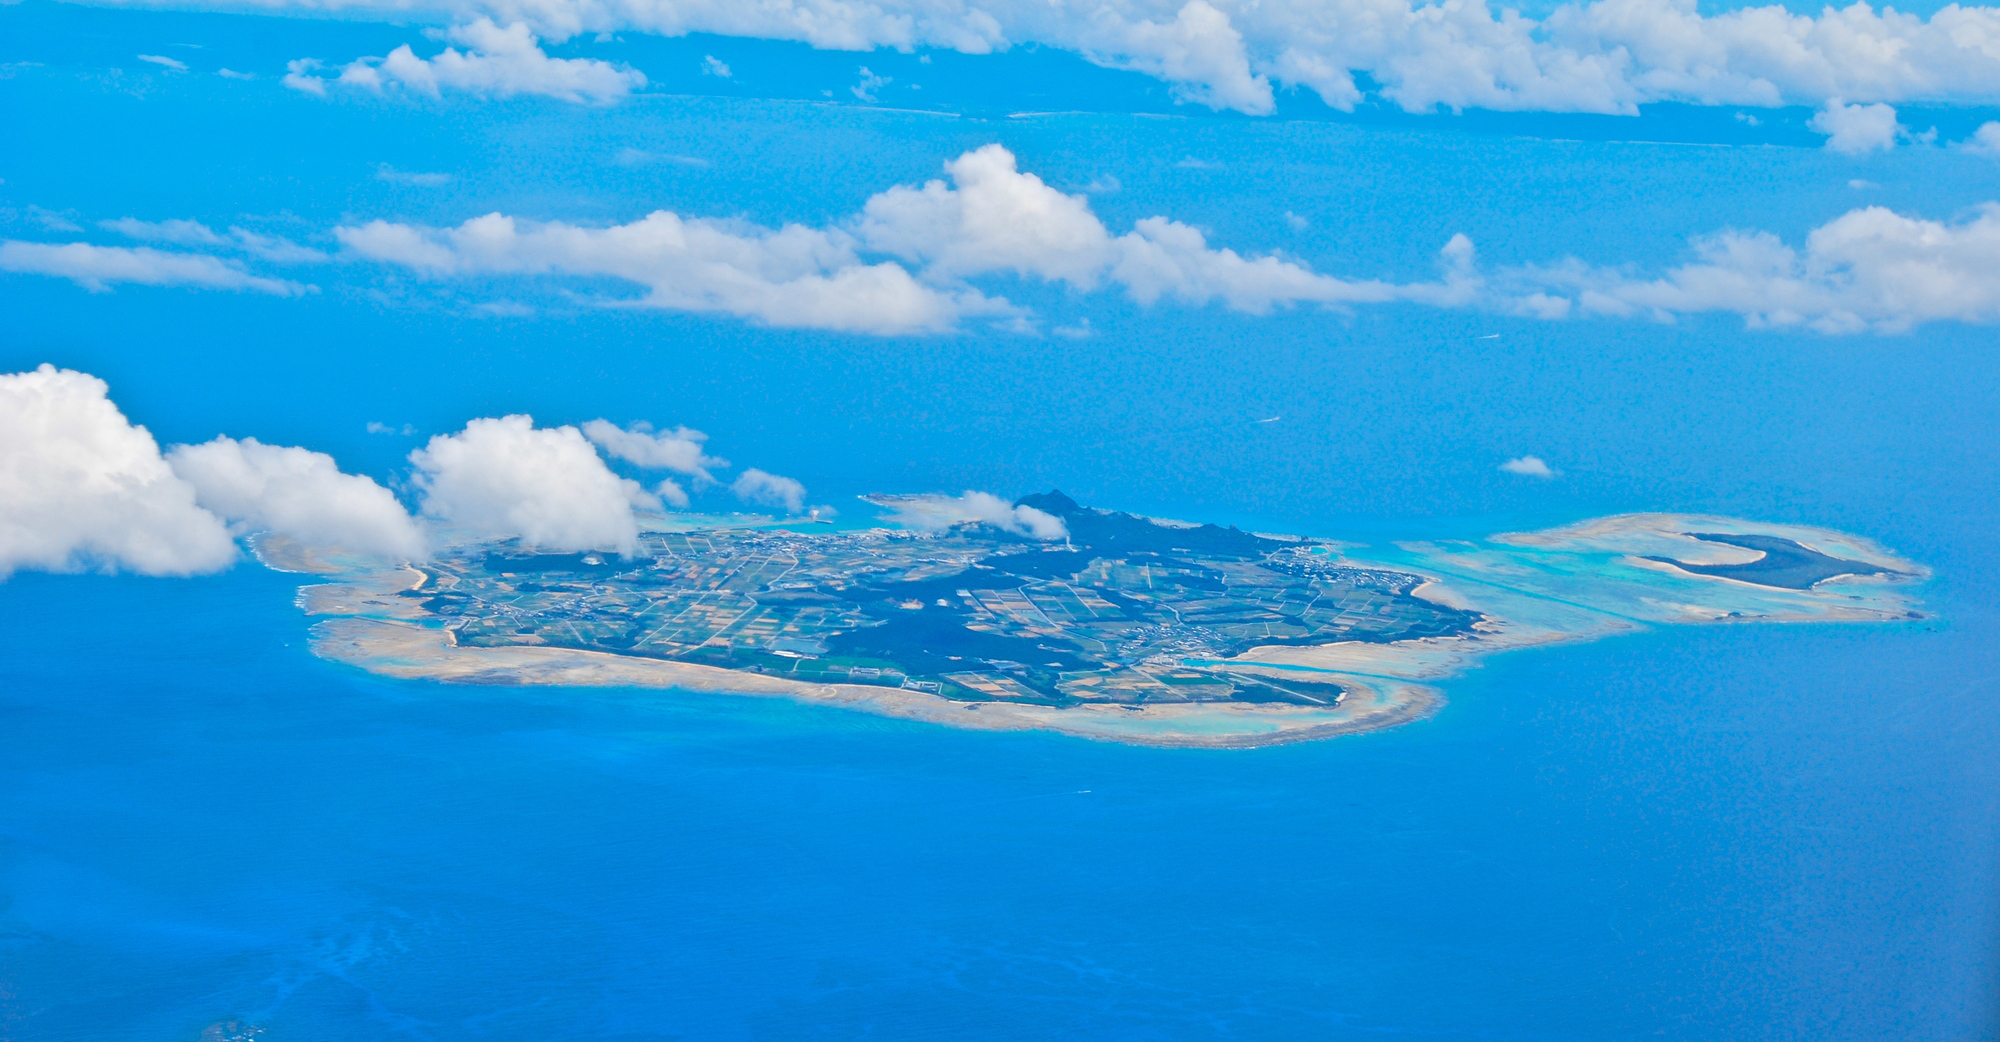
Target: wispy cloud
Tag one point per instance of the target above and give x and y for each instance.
(641, 157)
(98, 268)
(388, 173)
(52, 220)
(867, 90)
(179, 232)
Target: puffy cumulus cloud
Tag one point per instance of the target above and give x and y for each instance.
(1985, 141)
(756, 486)
(1528, 467)
(506, 478)
(98, 268)
(992, 218)
(931, 513)
(1869, 269)
(1601, 56)
(499, 61)
(301, 75)
(791, 276)
(1857, 129)
(1198, 50)
(298, 493)
(672, 494)
(995, 218)
(680, 450)
(82, 487)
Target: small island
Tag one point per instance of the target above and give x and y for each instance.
(1126, 628)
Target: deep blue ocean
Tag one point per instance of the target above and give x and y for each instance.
(1717, 834)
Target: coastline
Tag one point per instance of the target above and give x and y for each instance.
(408, 651)
(1587, 581)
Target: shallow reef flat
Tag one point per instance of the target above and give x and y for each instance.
(1613, 575)
(1128, 630)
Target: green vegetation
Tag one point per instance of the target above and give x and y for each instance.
(972, 613)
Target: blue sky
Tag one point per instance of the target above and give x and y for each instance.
(1060, 263)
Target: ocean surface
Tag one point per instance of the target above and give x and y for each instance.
(1718, 834)
(1723, 833)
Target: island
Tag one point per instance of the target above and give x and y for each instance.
(1107, 625)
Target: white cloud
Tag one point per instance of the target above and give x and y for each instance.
(1078, 330)
(672, 494)
(497, 62)
(82, 487)
(232, 74)
(299, 76)
(756, 486)
(52, 220)
(1857, 129)
(995, 218)
(163, 60)
(679, 450)
(1528, 467)
(96, 268)
(298, 493)
(713, 66)
(930, 513)
(792, 276)
(870, 83)
(178, 232)
(641, 157)
(181, 233)
(274, 248)
(990, 219)
(1869, 269)
(1199, 51)
(1985, 141)
(502, 478)
(388, 173)
(1603, 56)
